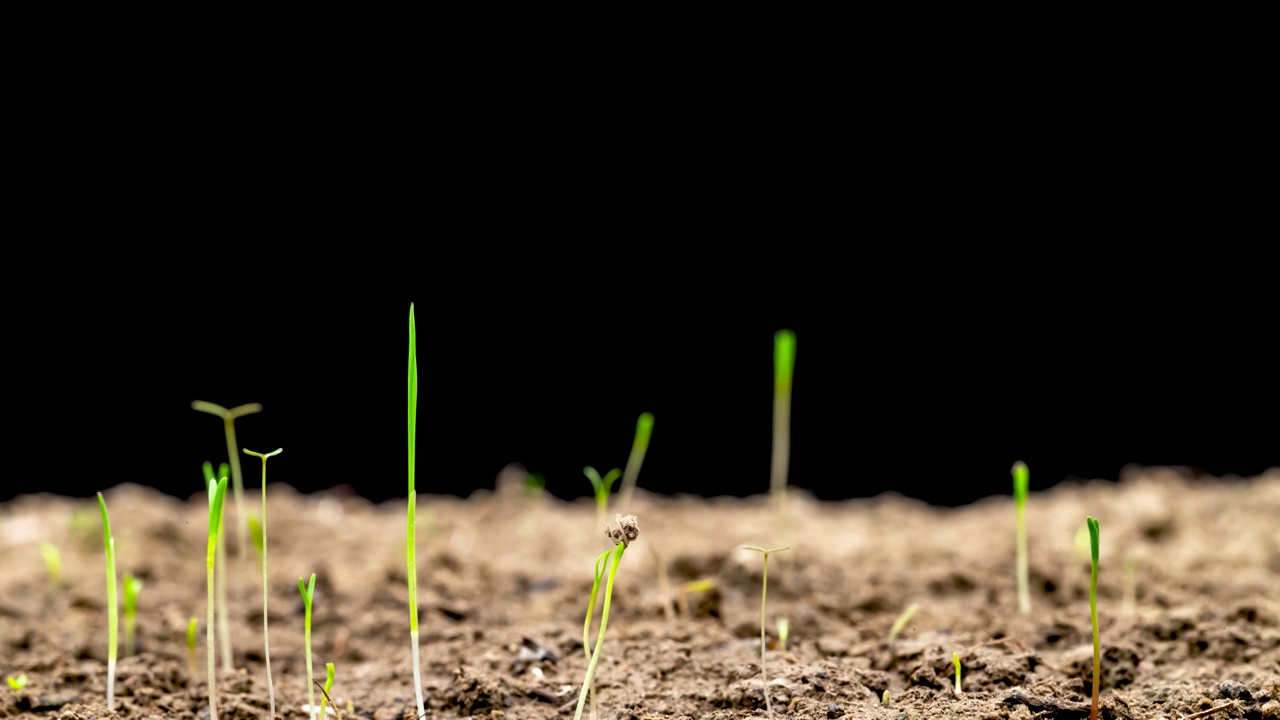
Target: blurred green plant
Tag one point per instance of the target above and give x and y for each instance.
(229, 429)
(639, 446)
(764, 592)
(109, 544)
(308, 592)
(602, 488)
(217, 494)
(1021, 480)
(784, 362)
(901, 623)
(411, 536)
(1093, 613)
(132, 586)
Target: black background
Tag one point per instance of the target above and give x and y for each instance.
(916, 379)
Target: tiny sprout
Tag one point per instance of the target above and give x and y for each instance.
(308, 591)
(639, 446)
(1021, 477)
(626, 532)
(901, 623)
(109, 543)
(132, 586)
(328, 685)
(703, 585)
(602, 489)
(764, 589)
(783, 627)
(17, 683)
(52, 562)
(217, 495)
(884, 699)
(955, 660)
(1093, 612)
(255, 535)
(191, 645)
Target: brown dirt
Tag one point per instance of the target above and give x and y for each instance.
(504, 586)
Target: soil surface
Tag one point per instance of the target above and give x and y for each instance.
(504, 584)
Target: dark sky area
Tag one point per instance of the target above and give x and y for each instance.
(925, 384)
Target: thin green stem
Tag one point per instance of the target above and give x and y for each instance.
(586, 626)
(237, 487)
(764, 594)
(208, 640)
(308, 594)
(266, 640)
(1093, 612)
(1020, 480)
(411, 537)
(217, 495)
(604, 623)
(639, 446)
(784, 358)
(109, 544)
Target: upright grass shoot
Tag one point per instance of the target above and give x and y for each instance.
(52, 563)
(1093, 614)
(229, 429)
(411, 537)
(328, 687)
(191, 646)
(626, 532)
(224, 620)
(601, 488)
(109, 544)
(901, 623)
(132, 586)
(260, 541)
(784, 363)
(217, 494)
(308, 592)
(639, 446)
(764, 593)
(1021, 478)
(955, 660)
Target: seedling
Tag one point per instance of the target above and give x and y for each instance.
(783, 627)
(601, 562)
(784, 363)
(224, 622)
(901, 623)
(602, 488)
(132, 586)
(955, 660)
(191, 645)
(228, 423)
(626, 532)
(1021, 477)
(884, 699)
(534, 485)
(255, 535)
(640, 445)
(217, 493)
(693, 586)
(259, 531)
(764, 590)
(324, 691)
(109, 543)
(411, 538)
(17, 683)
(1093, 613)
(328, 685)
(308, 591)
(52, 563)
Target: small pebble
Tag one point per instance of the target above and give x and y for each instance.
(1234, 690)
(833, 711)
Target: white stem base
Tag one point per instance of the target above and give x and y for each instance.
(417, 676)
(111, 684)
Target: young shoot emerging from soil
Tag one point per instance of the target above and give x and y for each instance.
(626, 531)
(784, 363)
(217, 493)
(132, 586)
(109, 543)
(260, 540)
(1021, 477)
(639, 446)
(308, 592)
(602, 488)
(328, 686)
(411, 537)
(224, 621)
(955, 660)
(764, 591)
(229, 428)
(783, 627)
(52, 563)
(1093, 614)
(17, 683)
(901, 623)
(191, 645)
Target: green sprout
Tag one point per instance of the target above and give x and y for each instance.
(411, 537)
(784, 363)
(132, 586)
(224, 622)
(308, 591)
(17, 683)
(109, 543)
(52, 562)
(640, 445)
(764, 590)
(191, 645)
(623, 535)
(901, 623)
(255, 535)
(328, 685)
(601, 562)
(955, 660)
(534, 485)
(1021, 477)
(217, 494)
(259, 532)
(602, 488)
(783, 626)
(229, 428)
(1093, 613)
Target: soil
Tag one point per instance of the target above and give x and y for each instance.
(504, 584)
